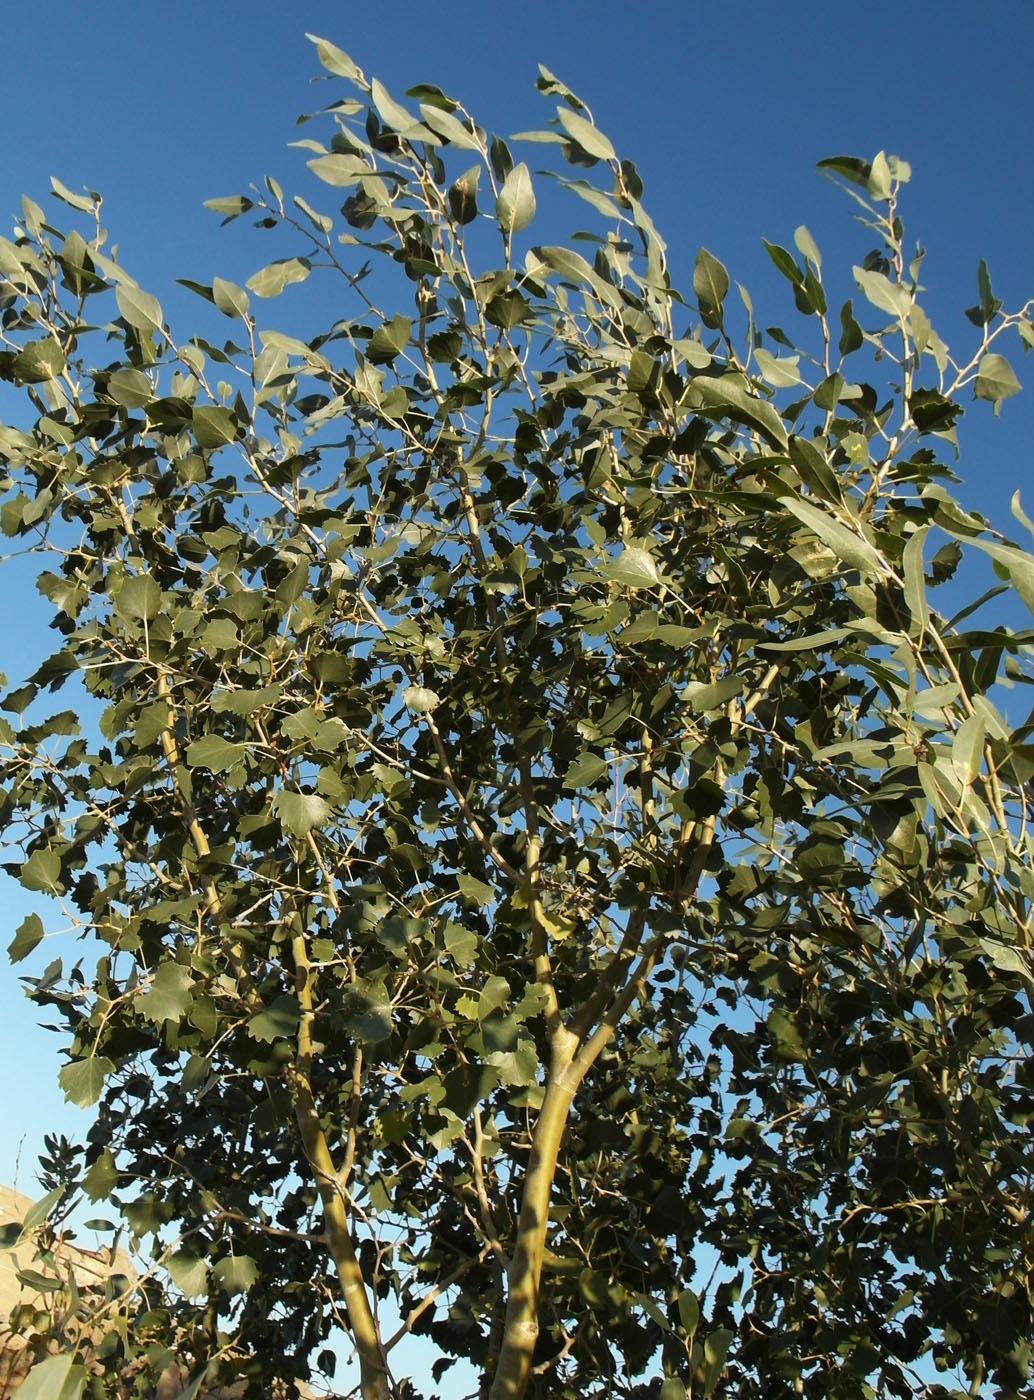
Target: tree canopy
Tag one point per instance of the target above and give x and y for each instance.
(562, 876)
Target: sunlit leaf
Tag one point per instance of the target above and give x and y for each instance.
(300, 812)
(515, 204)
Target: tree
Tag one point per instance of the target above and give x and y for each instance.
(564, 886)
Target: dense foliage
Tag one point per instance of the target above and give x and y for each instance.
(564, 883)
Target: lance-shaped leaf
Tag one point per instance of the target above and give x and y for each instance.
(853, 548)
(54, 1378)
(591, 140)
(729, 396)
(333, 59)
(710, 284)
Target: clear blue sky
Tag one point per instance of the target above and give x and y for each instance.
(724, 109)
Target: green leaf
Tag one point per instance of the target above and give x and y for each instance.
(39, 1210)
(333, 59)
(592, 141)
(995, 379)
(689, 1311)
(420, 699)
(569, 264)
(279, 1020)
(102, 1177)
(214, 426)
(463, 195)
(814, 470)
(852, 548)
(189, 1273)
(448, 127)
(82, 1081)
(1017, 564)
(716, 1348)
(782, 372)
(37, 1282)
(54, 1378)
(271, 280)
(368, 1016)
(231, 205)
(633, 567)
(169, 996)
(850, 168)
(705, 696)
(130, 387)
(138, 308)
(473, 890)
(235, 1274)
(230, 299)
(851, 336)
(914, 580)
(728, 396)
(42, 872)
(785, 262)
(883, 293)
(85, 204)
(339, 170)
(710, 285)
(214, 752)
(389, 340)
(507, 309)
(515, 204)
(967, 749)
(805, 245)
(390, 112)
(38, 361)
(585, 770)
(29, 935)
(139, 597)
(300, 812)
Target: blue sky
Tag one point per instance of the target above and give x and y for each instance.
(724, 109)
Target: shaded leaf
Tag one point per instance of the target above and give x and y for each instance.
(710, 285)
(235, 1274)
(169, 996)
(54, 1378)
(82, 1081)
(28, 937)
(37, 361)
(279, 1019)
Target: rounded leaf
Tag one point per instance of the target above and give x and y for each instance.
(140, 309)
(420, 700)
(515, 206)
